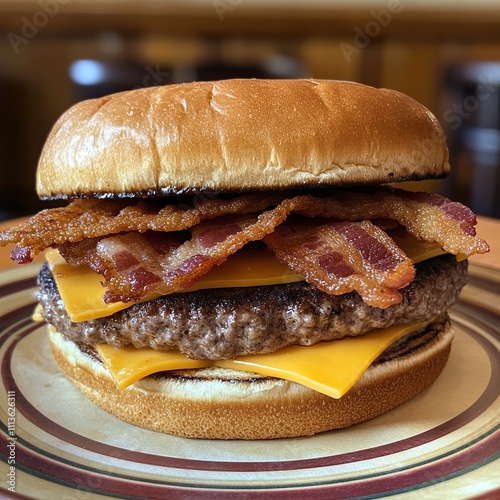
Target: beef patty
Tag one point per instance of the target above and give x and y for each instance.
(229, 322)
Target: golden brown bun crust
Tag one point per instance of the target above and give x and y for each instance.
(239, 135)
(210, 407)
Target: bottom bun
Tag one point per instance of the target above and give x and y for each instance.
(216, 403)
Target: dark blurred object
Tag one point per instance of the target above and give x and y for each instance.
(93, 78)
(223, 71)
(273, 67)
(16, 191)
(473, 128)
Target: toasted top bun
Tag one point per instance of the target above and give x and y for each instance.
(239, 135)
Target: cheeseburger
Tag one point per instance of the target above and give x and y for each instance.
(235, 260)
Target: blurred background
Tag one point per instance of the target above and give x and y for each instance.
(444, 53)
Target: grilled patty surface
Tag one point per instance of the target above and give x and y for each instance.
(229, 322)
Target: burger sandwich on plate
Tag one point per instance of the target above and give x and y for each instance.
(235, 261)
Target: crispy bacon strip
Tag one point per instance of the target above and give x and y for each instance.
(133, 261)
(133, 269)
(340, 257)
(84, 219)
(130, 261)
(212, 241)
(129, 249)
(426, 216)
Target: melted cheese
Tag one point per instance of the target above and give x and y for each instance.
(418, 251)
(130, 364)
(80, 289)
(331, 368)
(82, 292)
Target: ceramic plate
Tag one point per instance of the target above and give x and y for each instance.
(443, 444)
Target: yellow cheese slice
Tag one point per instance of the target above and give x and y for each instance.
(82, 292)
(130, 364)
(252, 265)
(416, 250)
(37, 315)
(80, 289)
(331, 368)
